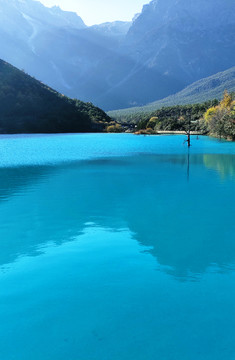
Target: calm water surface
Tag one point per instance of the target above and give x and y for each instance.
(116, 247)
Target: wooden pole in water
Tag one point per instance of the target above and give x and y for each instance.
(188, 167)
(189, 139)
(189, 132)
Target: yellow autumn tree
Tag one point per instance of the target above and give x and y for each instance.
(114, 128)
(220, 120)
(208, 116)
(152, 122)
(227, 101)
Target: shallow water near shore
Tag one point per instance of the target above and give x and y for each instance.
(115, 246)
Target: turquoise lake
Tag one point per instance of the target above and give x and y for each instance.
(116, 247)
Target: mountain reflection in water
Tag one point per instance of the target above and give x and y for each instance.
(187, 226)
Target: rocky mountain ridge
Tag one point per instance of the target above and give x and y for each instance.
(171, 44)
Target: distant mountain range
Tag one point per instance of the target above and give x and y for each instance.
(171, 44)
(115, 29)
(200, 91)
(29, 106)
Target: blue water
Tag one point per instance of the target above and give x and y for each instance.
(116, 247)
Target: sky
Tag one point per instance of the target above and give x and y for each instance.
(99, 11)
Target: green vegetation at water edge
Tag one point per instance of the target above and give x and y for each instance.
(171, 118)
(220, 120)
(214, 118)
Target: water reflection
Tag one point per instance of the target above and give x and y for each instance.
(188, 225)
(223, 164)
(14, 180)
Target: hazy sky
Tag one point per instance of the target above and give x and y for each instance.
(98, 11)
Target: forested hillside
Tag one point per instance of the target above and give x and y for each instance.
(29, 106)
(175, 118)
(206, 89)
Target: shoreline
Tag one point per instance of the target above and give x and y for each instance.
(168, 132)
(178, 132)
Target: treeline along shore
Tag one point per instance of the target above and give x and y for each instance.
(214, 117)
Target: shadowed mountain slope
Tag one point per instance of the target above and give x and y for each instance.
(29, 106)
